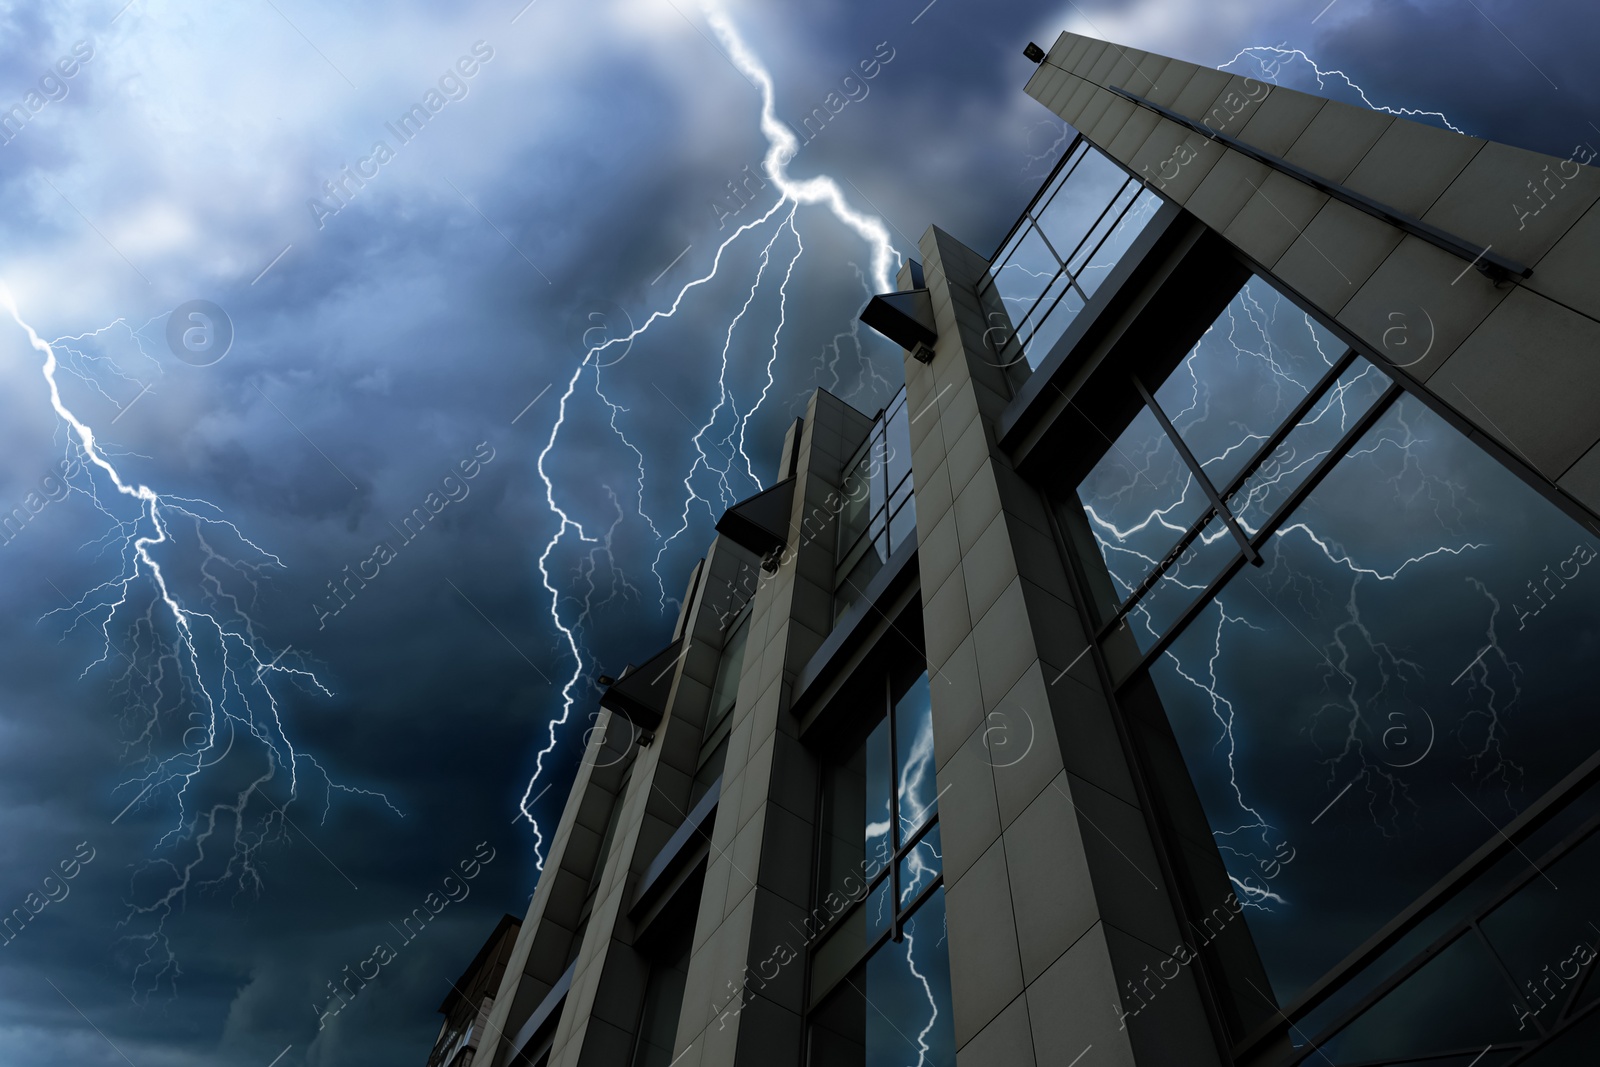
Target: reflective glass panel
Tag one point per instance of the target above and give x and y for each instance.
(1548, 935)
(908, 1020)
(853, 586)
(1459, 1000)
(843, 850)
(916, 791)
(871, 522)
(879, 482)
(1253, 365)
(1103, 226)
(1038, 312)
(725, 689)
(897, 461)
(1082, 201)
(1026, 274)
(920, 866)
(1281, 472)
(880, 909)
(1178, 586)
(1139, 500)
(894, 1009)
(1099, 262)
(1055, 318)
(903, 523)
(878, 822)
(1409, 670)
(857, 506)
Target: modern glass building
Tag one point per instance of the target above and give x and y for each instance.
(1194, 664)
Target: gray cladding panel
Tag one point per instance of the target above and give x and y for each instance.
(1513, 361)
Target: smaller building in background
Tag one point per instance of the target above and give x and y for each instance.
(466, 1008)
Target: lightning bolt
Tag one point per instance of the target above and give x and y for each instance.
(820, 191)
(777, 331)
(869, 379)
(1385, 671)
(565, 523)
(1498, 701)
(1276, 56)
(726, 493)
(1061, 132)
(210, 660)
(783, 144)
(933, 1004)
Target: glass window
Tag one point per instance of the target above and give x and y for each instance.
(857, 491)
(1066, 243)
(893, 1010)
(1088, 185)
(1022, 278)
(1259, 403)
(1253, 365)
(916, 800)
(1097, 262)
(725, 688)
(1269, 485)
(663, 994)
(877, 514)
(882, 963)
(1405, 673)
(1412, 663)
(897, 456)
(1050, 321)
(1139, 499)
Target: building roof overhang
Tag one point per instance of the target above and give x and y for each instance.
(760, 523)
(640, 693)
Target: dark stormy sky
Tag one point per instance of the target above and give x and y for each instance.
(387, 344)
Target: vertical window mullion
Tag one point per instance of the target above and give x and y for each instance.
(894, 814)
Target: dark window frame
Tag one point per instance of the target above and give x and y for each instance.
(1014, 348)
(1118, 678)
(889, 871)
(880, 521)
(1258, 1045)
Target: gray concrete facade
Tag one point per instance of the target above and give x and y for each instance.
(1058, 867)
(756, 882)
(1055, 897)
(1515, 361)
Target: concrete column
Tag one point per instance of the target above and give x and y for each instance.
(1054, 895)
(758, 877)
(1512, 363)
(544, 942)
